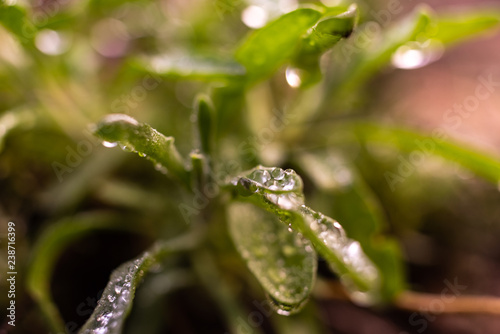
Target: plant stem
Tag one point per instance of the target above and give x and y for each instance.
(421, 302)
(415, 301)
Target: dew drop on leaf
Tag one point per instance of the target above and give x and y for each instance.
(284, 309)
(277, 173)
(118, 288)
(415, 54)
(261, 176)
(109, 144)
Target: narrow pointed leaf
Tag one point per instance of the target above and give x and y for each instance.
(117, 298)
(143, 139)
(283, 262)
(205, 116)
(194, 67)
(14, 19)
(454, 27)
(482, 164)
(48, 249)
(113, 309)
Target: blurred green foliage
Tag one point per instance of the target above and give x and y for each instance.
(232, 99)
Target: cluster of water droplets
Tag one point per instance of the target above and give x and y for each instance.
(108, 317)
(348, 251)
(281, 187)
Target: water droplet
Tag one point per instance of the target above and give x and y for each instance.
(416, 54)
(125, 296)
(286, 201)
(100, 330)
(254, 17)
(288, 185)
(352, 252)
(332, 235)
(284, 188)
(245, 187)
(104, 318)
(276, 181)
(277, 173)
(109, 144)
(118, 288)
(126, 148)
(261, 176)
(283, 308)
(292, 76)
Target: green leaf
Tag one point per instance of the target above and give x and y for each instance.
(268, 48)
(345, 195)
(452, 27)
(482, 164)
(117, 298)
(419, 26)
(365, 62)
(14, 19)
(47, 250)
(143, 139)
(205, 116)
(283, 262)
(194, 67)
(199, 170)
(280, 192)
(323, 36)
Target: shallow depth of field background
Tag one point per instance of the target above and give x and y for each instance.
(446, 219)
